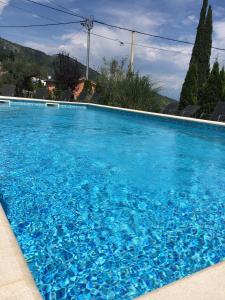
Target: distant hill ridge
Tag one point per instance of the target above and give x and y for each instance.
(38, 57)
(45, 61)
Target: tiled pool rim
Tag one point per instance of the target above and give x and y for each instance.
(16, 281)
(159, 115)
(206, 284)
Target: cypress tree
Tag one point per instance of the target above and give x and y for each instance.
(197, 49)
(213, 90)
(222, 76)
(204, 61)
(200, 55)
(190, 88)
(202, 49)
(207, 43)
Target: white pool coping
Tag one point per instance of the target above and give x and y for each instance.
(165, 116)
(208, 284)
(16, 282)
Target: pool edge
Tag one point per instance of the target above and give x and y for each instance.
(202, 285)
(16, 281)
(165, 116)
(207, 284)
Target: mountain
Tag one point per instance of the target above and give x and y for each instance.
(43, 60)
(165, 101)
(18, 62)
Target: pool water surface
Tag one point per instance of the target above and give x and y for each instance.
(111, 205)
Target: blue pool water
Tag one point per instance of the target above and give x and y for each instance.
(111, 205)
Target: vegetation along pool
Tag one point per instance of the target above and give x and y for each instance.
(108, 204)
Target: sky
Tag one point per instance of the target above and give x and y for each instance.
(175, 18)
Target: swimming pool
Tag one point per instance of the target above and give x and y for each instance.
(108, 204)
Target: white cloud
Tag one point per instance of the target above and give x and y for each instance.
(219, 11)
(172, 65)
(136, 17)
(4, 4)
(172, 82)
(190, 20)
(166, 67)
(219, 40)
(176, 63)
(219, 30)
(49, 49)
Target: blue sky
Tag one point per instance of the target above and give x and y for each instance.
(174, 18)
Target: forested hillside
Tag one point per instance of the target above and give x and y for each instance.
(14, 58)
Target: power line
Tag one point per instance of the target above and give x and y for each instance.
(103, 23)
(143, 33)
(61, 6)
(57, 9)
(69, 12)
(151, 35)
(161, 49)
(139, 45)
(144, 46)
(29, 11)
(108, 38)
(95, 34)
(84, 21)
(92, 33)
(122, 43)
(38, 25)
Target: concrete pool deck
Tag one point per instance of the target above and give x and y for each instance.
(16, 282)
(146, 113)
(208, 284)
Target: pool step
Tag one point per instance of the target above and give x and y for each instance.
(5, 102)
(50, 104)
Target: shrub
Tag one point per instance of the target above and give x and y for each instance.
(119, 86)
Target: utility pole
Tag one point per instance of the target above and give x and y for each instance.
(88, 25)
(132, 51)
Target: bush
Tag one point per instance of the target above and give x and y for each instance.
(66, 71)
(119, 86)
(88, 86)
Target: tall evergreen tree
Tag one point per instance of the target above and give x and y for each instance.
(204, 62)
(66, 71)
(222, 75)
(207, 43)
(213, 90)
(203, 44)
(189, 92)
(200, 55)
(197, 49)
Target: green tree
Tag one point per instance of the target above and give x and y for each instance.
(19, 73)
(66, 71)
(203, 44)
(189, 91)
(213, 89)
(120, 87)
(200, 56)
(205, 58)
(88, 86)
(222, 75)
(207, 45)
